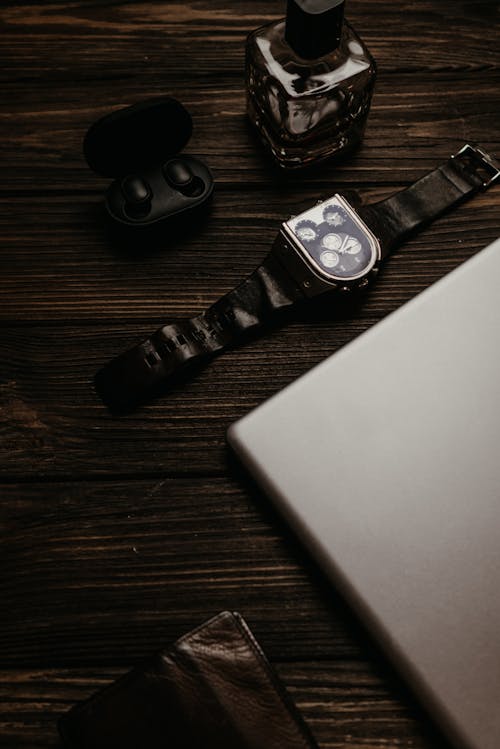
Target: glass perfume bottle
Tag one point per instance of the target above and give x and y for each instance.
(309, 83)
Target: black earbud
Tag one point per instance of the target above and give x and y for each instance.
(178, 173)
(179, 176)
(137, 194)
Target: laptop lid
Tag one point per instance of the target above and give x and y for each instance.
(385, 459)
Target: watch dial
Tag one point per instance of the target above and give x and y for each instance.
(330, 259)
(332, 241)
(335, 240)
(306, 231)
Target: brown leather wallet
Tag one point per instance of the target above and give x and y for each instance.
(214, 688)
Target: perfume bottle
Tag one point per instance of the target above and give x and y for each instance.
(309, 83)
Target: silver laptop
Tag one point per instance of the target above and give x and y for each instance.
(385, 459)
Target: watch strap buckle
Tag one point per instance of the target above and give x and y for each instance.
(481, 164)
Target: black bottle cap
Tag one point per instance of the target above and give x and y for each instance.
(314, 27)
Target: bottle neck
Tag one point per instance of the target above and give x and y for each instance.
(314, 27)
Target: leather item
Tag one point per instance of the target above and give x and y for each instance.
(157, 363)
(395, 219)
(283, 280)
(213, 689)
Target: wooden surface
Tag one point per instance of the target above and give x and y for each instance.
(120, 534)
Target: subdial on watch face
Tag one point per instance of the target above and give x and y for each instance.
(306, 231)
(352, 245)
(333, 216)
(329, 259)
(332, 241)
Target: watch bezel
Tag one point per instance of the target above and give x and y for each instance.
(325, 275)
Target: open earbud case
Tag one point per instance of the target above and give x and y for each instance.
(154, 184)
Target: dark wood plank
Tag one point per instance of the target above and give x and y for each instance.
(407, 134)
(65, 65)
(54, 424)
(347, 705)
(148, 36)
(102, 572)
(58, 265)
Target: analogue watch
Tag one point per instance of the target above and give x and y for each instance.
(330, 248)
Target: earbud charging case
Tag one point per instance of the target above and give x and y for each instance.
(139, 147)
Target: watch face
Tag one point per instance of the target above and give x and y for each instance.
(335, 240)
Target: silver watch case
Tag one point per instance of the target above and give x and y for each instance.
(328, 247)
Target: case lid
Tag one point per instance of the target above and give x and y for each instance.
(141, 135)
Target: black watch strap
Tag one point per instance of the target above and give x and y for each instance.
(462, 176)
(154, 365)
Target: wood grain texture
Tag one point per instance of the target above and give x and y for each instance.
(417, 120)
(106, 572)
(119, 535)
(346, 704)
(86, 276)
